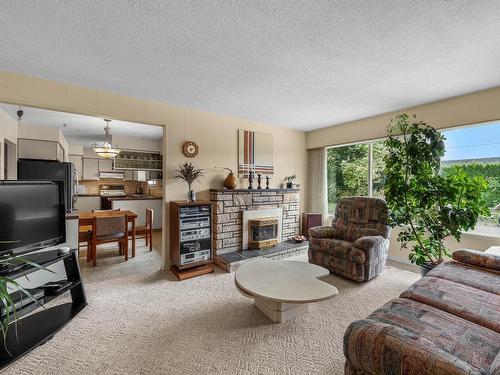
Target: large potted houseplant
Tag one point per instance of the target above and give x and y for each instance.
(189, 174)
(427, 205)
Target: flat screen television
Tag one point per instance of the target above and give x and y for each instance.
(32, 216)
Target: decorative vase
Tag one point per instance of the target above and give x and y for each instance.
(425, 268)
(191, 195)
(231, 182)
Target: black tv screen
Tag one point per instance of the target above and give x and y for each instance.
(31, 216)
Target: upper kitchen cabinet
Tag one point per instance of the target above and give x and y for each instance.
(39, 149)
(139, 160)
(90, 169)
(78, 163)
(105, 165)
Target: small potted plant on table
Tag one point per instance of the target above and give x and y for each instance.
(290, 181)
(427, 205)
(188, 173)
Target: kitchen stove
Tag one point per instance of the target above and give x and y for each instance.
(108, 191)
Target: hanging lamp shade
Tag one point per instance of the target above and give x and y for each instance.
(106, 149)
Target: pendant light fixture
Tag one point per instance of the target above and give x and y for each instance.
(106, 149)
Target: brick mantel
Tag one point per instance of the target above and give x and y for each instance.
(228, 217)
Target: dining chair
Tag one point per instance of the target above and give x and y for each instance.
(85, 235)
(110, 229)
(145, 231)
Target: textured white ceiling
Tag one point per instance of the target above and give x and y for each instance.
(80, 129)
(299, 64)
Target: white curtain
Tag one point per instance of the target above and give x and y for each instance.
(317, 201)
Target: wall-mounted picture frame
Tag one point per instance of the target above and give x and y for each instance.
(255, 153)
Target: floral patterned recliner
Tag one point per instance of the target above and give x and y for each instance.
(356, 244)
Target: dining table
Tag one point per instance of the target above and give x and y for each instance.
(86, 218)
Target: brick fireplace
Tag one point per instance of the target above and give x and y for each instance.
(228, 215)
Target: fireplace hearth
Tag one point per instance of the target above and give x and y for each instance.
(262, 233)
(234, 208)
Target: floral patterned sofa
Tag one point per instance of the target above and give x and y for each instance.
(357, 242)
(446, 323)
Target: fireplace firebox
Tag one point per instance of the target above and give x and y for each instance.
(262, 233)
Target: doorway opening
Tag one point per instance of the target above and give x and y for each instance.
(126, 181)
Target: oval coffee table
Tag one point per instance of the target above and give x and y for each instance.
(283, 289)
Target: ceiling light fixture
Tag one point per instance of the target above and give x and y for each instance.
(106, 149)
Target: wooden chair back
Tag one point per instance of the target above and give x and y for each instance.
(149, 218)
(112, 227)
(118, 209)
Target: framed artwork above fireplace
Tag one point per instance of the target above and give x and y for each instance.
(255, 153)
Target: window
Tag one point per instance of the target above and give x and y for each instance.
(477, 150)
(355, 170)
(359, 169)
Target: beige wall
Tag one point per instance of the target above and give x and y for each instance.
(8, 127)
(75, 149)
(216, 135)
(138, 143)
(478, 107)
(8, 131)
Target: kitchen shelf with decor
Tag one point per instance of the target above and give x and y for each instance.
(139, 160)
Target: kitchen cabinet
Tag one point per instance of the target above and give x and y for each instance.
(136, 175)
(88, 203)
(139, 160)
(78, 163)
(105, 165)
(129, 175)
(142, 175)
(39, 149)
(90, 169)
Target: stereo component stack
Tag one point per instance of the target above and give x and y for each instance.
(191, 238)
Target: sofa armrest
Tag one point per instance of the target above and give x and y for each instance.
(368, 242)
(477, 258)
(375, 347)
(323, 232)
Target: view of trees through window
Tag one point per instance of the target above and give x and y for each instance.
(476, 149)
(348, 171)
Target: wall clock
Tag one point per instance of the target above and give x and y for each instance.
(190, 149)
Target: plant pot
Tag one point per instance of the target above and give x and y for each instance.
(231, 182)
(289, 185)
(425, 268)
(191, 195)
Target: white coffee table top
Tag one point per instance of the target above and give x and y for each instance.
(284, 281)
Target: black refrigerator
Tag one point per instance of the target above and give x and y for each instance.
(28, 169)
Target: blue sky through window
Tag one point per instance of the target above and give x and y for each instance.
(482, 141)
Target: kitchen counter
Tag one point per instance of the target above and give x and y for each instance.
(71, 215)
(133, 198)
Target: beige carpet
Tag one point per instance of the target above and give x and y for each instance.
(156, 325)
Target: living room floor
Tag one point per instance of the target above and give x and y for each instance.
(150, 323)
